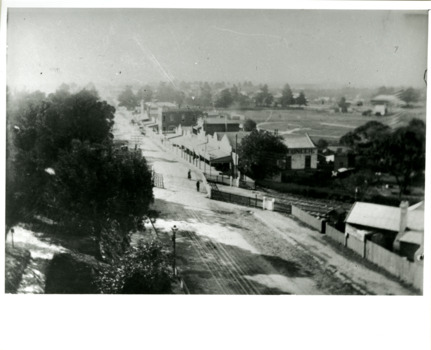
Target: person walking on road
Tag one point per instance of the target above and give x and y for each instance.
(198, 185)
(189, 175)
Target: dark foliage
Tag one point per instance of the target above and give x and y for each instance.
(62, 164)
(128, 99)
(249, 125)
(259, 154)
(142, 270)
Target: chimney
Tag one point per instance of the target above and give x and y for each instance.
(404, 206)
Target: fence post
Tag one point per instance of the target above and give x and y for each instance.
(323, 227)
(364, 253)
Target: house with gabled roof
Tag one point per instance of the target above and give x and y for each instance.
(399, 229)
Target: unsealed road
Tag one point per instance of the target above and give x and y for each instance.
(223, 248)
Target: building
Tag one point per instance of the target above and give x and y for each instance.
(399, 229)
(173, 118)
(301, 156)
(383, 104)
(165, 117)
(219, 123)
(338, 156)
(154, 109)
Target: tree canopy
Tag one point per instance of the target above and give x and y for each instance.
(63, 165)
(259, 154)
(264, 97)
(400, 152)
(249, 125)
(224, 100)
(410, 95)
(128, 99)
(287, 96)
(301, 100)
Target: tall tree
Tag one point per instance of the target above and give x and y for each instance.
(286, 96)
(410, 95)
(259, 153)
(402, 153)
(128, 99)
(343, 104)
(64, 166)
(301, 100)
(224, 100)
(264, 97)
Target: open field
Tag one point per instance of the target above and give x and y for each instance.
(322, 124)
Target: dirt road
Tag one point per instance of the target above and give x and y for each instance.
(228, 249)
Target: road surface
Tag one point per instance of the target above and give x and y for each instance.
(223, 248)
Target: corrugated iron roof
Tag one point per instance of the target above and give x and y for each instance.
(298, 141)
(414, 237)
(383, 217)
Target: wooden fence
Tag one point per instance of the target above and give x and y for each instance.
(219, 179)
(334, 234)
(356, 245)
(247, 201)
(310, 220)
(409, 272)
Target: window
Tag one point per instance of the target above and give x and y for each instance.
(307, 162)
(289, 163)
(172, 118)
(183, 117)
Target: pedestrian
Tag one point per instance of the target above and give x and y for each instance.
(189, 175)
(198, 185)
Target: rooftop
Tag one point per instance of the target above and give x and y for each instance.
(384, 217)
(233, 137)
(221, 121)
(298, 141)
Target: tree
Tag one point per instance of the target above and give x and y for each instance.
(205, 96)
(286, 96)
(259, 154)
(180, 97)
(264, 97)
(145, 93)
(249, 125)
(410, 95)
(142, 270)
(322, 144)
(65, 167)
(343, 104)
(402, 153)
(301, 100)
(383, 90)
(224, 100)
(102, 192)
(165, 92)
(365, 135)
(128, 99)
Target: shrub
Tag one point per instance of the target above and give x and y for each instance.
(141, 270)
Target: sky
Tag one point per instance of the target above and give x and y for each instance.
(114, 47)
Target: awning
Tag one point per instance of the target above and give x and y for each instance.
(225, 159)
(151, 125)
